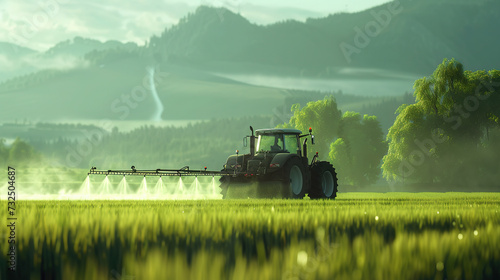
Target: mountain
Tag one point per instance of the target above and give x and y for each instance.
(204, 39)
(411, 36)
(18, 61)
(216, 64)
(79, 46)
(13, 60)
(9, 49)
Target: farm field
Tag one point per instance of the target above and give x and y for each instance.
(356, 236)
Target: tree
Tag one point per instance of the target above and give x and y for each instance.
(323, 117)
(21, 153)
(358, 151)
(442, 136)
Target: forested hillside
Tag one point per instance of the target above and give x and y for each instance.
(412, 36)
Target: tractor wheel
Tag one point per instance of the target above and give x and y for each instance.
(294, 179)
(323, 181)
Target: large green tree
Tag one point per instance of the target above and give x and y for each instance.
(442, 137)
(358, 150)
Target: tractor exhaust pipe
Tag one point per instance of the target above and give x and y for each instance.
(304, 149)
(252, 143)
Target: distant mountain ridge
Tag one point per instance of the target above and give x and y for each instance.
(79, 46)
(415, 39)
(21, 61)
(13, 49)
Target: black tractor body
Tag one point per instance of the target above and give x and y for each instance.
(278, 166)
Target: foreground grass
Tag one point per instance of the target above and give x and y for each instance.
(357, 236)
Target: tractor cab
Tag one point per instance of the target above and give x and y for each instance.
(278, 141)
(270, 149)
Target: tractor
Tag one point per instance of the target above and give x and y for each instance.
(277, 165)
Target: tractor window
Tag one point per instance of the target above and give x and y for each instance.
(291, 143)
(270, 143)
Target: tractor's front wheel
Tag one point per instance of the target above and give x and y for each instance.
(294, 179)
(323, 181)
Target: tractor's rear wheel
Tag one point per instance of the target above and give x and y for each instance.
(294, 179)
(324, 181)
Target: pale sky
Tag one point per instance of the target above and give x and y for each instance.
(39, 24)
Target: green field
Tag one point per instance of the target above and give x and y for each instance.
(356, 236)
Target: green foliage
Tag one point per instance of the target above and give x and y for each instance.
(445, 136)
(19, 154)
(357, 236)
(354, 144)
(358, 151)
(384, 109)
(437, 94)
(323, 117)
